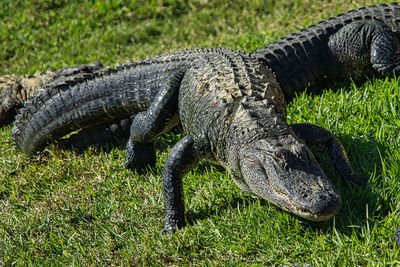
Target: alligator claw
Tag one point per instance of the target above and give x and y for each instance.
(171, 228)
(168, 230)
(173, 223)
(138, 157)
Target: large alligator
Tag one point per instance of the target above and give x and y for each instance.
(232, 111)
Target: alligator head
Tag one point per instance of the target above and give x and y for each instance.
(286, 173)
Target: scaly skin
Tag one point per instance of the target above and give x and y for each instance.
(355, 44)
(91, 100)
(232, 110)
(15, 90)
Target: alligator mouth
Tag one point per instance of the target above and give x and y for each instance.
(309, 215)
(299, 210)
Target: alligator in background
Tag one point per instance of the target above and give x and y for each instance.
(353, 45)
(232, 111)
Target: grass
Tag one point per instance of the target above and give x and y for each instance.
(65, 208)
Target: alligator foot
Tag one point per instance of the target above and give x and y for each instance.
(172, 227)
(138, 157)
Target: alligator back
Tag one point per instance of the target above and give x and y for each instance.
(303, 59)
(226, 96)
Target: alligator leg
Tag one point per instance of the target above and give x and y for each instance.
(183, 157)
(314, 135)
(160, 117)
(361, 43)
(385, 53)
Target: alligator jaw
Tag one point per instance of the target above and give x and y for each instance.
(301, 210)
(314, 217)
(305, 213)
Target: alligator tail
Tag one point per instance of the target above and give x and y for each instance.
(87, 100)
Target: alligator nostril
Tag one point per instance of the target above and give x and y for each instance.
(278, 154)
(323, 203)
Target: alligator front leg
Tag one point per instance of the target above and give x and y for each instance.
(183, 158)
(160, 117)
(314, 135)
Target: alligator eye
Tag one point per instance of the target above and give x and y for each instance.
(278, 154)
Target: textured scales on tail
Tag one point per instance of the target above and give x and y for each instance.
(352, 45)
(15, 90)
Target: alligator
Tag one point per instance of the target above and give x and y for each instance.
(15, 90)
(309, 52)
(232, 112)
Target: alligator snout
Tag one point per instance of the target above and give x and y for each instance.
(322, 205)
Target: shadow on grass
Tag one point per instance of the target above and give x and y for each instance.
(101, 139)
(334, 86)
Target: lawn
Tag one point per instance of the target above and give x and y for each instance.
(66, 208)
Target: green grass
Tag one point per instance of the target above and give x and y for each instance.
(65, 208)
